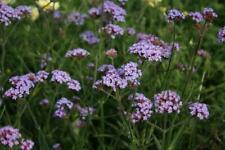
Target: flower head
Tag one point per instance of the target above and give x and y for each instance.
(9, 136)
(199, 110)
(209, 14)
(221, 35)
(26, 145)
(113, 30)
(77, 18)
(196, 16)
(89, 37)
(167, 102)
(74, 85)
(60, 76)
(77, 53)
(174, 15)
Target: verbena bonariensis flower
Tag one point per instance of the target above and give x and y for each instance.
(85, 111)
(131, 31)
(56, 146)
(199, 110)
(142, 108)
(77, 18)
(167, 102)
(9, 136)
(62, 106)
(60, 76)
(77, 53)
(202, 53)
(44, 102)
(115, 11)
(9, 14)
(196, 16)
(131, 73)
(174, 15)
(57, 14)
(23, 10)
(26, 145)
(74, 85)
(89, 37)
(105, 67)
(21, 86)
(120, 78)
(221, 35)
(113, 30)
(41, 76)
(94, 12)
(209, 14)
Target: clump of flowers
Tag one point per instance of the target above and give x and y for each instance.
(209, 14)
(167, 102)
(120, 78)
(105, 67)
(115, 11)
(27, 145)
(221, 35)
(94, 12)
(199, 110)
(77, 18)
(77, 53)
(113, 30)
(21, 85)
(85, 111)
(150, 48)
(60, 76)
(11, 137)
(89, 37)
(9, 14)
(63, 106)
(74, 85)
(196, 16)
(174, 15)
(142, 108)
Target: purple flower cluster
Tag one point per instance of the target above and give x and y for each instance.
(9, 14)
(94, 12)
(77, 53)
(115, 11)
(11, 137)
(85, 111)
(77, 18)
(221, 35)
(27, 145)
(142, 108)
(120, 78)
(21, 85)
(200, 110)
(151, 48)
(209, 14)
(167, 102)
(63, 106)
(62, 77)
(174, 15)
(89, 37)
(196, 16)
(113, 30)
(105, 67)
(131, 31)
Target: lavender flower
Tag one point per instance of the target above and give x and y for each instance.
(113, 30)
(85, 111)
(221, 35)
(142, 108)
(62, 106)
(131, 73)
(74, 85)
(77, 18)
(167, 102)
(196, 16)
(89, 37)
(131, 31)
(94, 12)
(41, 76)
(21, 86)
(200, 110)
(209, 14)
(7, 14)
(26, 145)
(60, 76)
(174, 15)
(9, 136)
(116, 12)
(77, 53)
